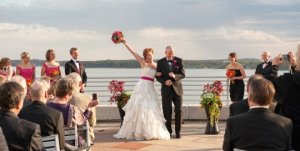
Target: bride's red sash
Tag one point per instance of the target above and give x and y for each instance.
(147, 78)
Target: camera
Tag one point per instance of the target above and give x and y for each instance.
(285, 57)
(95, 96)
(4, 68)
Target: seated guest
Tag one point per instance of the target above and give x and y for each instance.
(21, 80)
(49, 119)
(3, 144)
(258, 129)
(82, 100)
(19, 134)
(287, 88)
(72, 115)
(242, 106)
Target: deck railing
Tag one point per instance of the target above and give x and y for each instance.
(192, 87)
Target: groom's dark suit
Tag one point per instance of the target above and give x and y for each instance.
(70, 67)
(173, 92)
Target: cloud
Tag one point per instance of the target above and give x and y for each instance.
(15, 3)
(196, 29)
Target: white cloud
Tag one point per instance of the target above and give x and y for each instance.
(15, 3)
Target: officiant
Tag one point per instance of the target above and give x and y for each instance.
(265, 64)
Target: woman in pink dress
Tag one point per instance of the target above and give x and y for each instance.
(26, 69)
(6, 69)
(51, 68)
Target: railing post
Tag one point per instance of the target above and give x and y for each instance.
(227, 91)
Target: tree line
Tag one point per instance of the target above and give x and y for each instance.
(189, 64)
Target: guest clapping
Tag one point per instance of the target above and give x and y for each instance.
(26, 69)
(50, 67)
(235, 73)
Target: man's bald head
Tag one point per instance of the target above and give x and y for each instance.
(38, 90)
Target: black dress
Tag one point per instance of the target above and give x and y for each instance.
(237, 88)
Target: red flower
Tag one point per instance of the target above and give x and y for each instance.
(230, 73)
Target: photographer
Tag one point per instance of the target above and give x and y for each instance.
(287, 87)
(6, 69)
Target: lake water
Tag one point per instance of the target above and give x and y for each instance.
(99, 78)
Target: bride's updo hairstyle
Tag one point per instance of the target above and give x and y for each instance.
(146, 50)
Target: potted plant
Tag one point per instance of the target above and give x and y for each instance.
(119, 96)
(211, 102)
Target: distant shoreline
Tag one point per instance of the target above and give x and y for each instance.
(188, 64)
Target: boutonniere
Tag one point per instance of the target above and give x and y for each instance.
(174, 62)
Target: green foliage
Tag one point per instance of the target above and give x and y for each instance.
(123, 99)
(213, 103)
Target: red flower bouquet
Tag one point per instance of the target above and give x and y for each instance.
(28, 82)
(119, 95)
(117, 37)
(55, 73)
(230, 74)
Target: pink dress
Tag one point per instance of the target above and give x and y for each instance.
(51, 71)
(27, 73)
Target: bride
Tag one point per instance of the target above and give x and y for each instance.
(143, 116)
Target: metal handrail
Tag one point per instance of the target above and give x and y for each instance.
(192, 87)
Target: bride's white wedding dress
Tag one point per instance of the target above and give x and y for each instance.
(144, 119)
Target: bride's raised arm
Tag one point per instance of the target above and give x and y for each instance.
(136, 55)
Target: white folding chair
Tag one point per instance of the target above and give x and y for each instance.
(71, 136)
(51, 143)
(85, 132)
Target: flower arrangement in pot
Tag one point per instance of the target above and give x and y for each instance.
(119, 95)
(210, 100)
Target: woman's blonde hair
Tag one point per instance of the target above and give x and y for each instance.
(23, 55)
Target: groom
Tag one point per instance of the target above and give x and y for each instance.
(172, 71)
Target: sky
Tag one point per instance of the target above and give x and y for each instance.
(197, 29)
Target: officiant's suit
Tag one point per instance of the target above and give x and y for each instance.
(263, 67)
(171, 93)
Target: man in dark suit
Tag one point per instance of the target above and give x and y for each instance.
(3, 144)
(258, 129)
(265, 64)
(76, 66)
(172, 71)
(49, 119)
(19, 134)
(242, 106)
